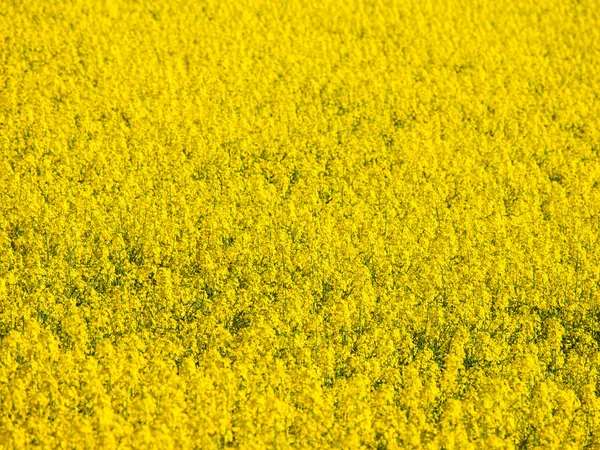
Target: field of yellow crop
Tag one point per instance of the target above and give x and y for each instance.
(307, 224)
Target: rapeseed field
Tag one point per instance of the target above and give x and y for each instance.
(358, 224)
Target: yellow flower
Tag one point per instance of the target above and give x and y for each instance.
(304, 225)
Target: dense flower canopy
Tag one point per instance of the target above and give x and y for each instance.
(300, 224)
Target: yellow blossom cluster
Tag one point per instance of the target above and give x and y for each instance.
(352, 224)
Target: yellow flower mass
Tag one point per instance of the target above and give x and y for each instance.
(351, 224)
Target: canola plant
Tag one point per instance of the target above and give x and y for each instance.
(284, 224)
